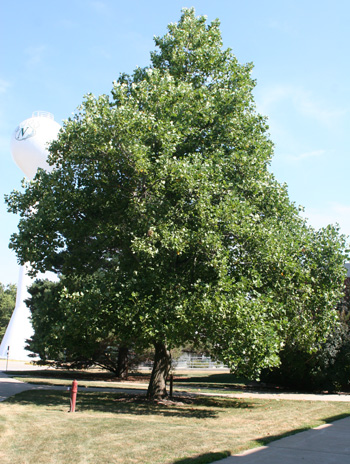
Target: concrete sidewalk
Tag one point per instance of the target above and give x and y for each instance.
(10, 387)
(327, 444)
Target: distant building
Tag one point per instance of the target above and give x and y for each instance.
(347, 265)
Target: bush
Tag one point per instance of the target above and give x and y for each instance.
(327, 369)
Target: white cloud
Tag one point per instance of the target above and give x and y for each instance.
(67, 23)
(317, 111)
(4, 143)
(4, 85)
(309, 154)
(304, 103)
(331, 213)
(35, 54)
(285, 26)
(5, 133)
(98, 5)
(100, 51)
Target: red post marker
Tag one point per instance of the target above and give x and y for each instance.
(73, 395)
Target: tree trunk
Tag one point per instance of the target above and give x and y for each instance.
(160, 371)
(122, 365)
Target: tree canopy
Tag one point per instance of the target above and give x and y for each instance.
(162, 191)
(7, 305)
(71, 326)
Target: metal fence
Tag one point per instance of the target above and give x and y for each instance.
(190, 362)
(198, 362)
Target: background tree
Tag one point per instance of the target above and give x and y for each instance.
(327, 367)
(72, 327)
(7, 305)
(164, 188)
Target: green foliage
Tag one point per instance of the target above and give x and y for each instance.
(71, 326)
(162, 191)
(7, 305)
(326, 368)
(59, 332)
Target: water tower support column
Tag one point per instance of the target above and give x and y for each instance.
(29, 146)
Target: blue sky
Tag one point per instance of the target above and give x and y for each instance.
(53, 52)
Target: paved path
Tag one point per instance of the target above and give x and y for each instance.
(10, 387)
(327, 444)
(281, 396)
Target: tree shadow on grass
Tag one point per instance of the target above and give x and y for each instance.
(225, 382)
(219, 378)
(204, 458)
(65, 375)
(200, 408)
(73, 374)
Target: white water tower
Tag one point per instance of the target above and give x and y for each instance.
(29, 147)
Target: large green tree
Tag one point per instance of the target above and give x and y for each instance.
(163, 187)
(7, 305)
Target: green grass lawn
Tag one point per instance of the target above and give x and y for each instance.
(36, 428)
